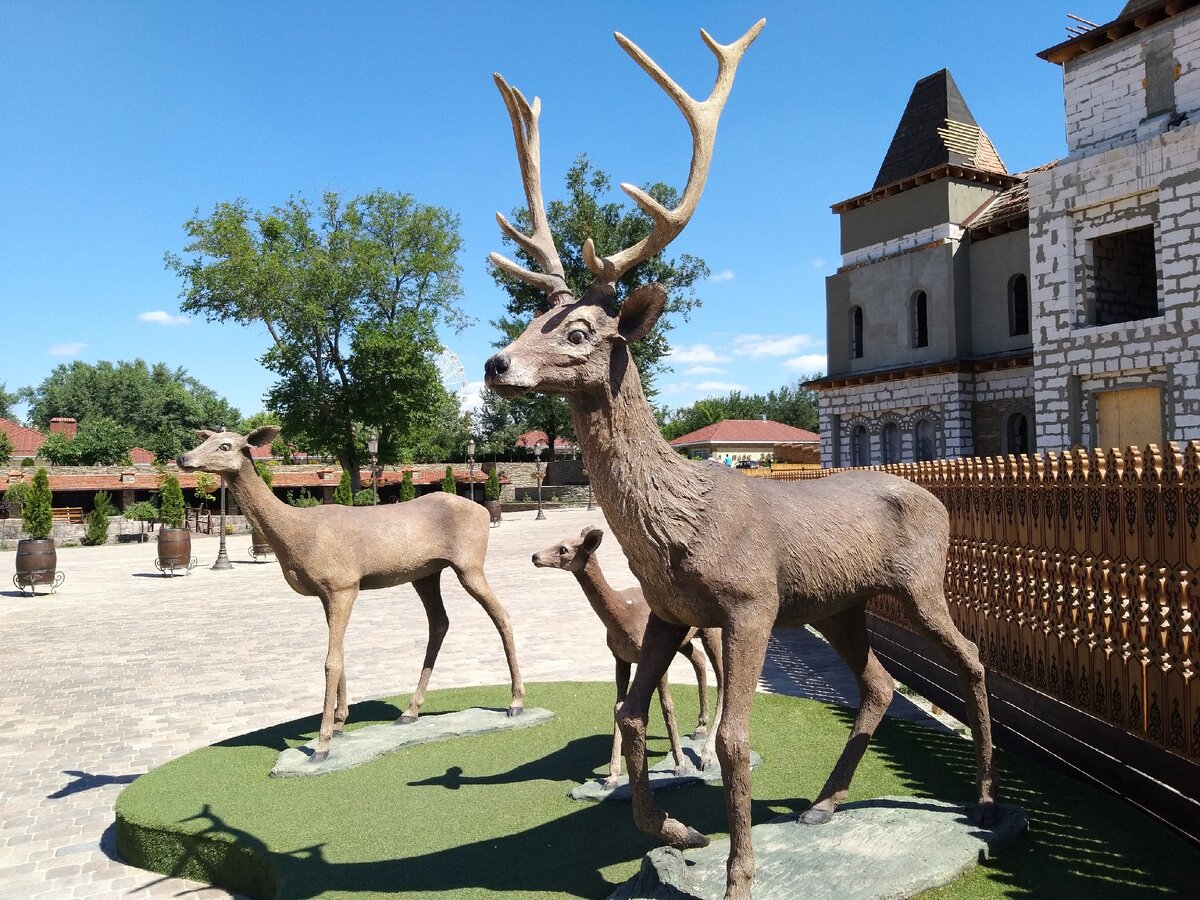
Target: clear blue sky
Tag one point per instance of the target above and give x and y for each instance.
(120, 120)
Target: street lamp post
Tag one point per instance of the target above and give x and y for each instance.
(537, 450)
(471, 466)
(373, 447)
(222, 555)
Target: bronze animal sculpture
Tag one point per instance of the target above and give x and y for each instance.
(624, 614)
(331, 552)
(820, 548)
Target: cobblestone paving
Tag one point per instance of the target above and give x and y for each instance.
(123, 670)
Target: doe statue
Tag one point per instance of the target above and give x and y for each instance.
(332, 552)
(710, 547)
(624, 614)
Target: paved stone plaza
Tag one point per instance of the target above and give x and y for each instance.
(124, 669)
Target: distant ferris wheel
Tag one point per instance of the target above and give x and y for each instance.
(452, 374)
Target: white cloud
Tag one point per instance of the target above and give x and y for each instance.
(817, 263)
(74, 348)
(159, 317)
(809, 364)
(756, 345)
(704, 370)
(723, 275)
(720, 387)
(699, 354)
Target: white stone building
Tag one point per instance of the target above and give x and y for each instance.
(978, 312)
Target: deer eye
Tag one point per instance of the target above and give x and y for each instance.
(226, 446)
(562, 551)
(576, 336)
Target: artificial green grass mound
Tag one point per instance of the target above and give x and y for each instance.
(489, 814)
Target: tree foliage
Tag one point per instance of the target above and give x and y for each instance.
(96, 532)
(612, 226)
(158, 407)
(350, 293)
(99, 441)
(450, 483)
(408, 490)
(791, 404)
(491, 487)
(344, 492)
(38, 515)
(172, 508)
(6, 449)
(7, 401)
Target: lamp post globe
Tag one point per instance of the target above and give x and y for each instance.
(373, 449)
(537, 452)
(471, 466)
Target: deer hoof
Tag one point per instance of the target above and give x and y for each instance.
(985, 814)
(816, 816)
(514, 711)
(611, 783)
(406, 719)
(695, 839)
(701, 731)
(319, 757)
(682, 770)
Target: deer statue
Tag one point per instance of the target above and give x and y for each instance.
(332, 552)
(624, 614)
(806, 553)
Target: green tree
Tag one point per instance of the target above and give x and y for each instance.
(497, 425)
(350, 293)
(172, 507)
(99, 441)
(96, 532)
(6, 449)
(407, 490)
(160, 407)
(38, 513)
(303, 499)
(205, 488)
(344, 492)
(364, 497)
(264, 472)
(491, 487)
(449, 483)
(7, 401)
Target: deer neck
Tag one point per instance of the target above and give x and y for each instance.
(648, 491)
(266, 512)
(598, 591)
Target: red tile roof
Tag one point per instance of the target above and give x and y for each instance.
(529, 438)
(746, 431)
(25, 441)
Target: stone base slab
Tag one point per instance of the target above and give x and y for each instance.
(662, 775)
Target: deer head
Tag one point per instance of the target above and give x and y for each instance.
(569, 347)
(222, 452)
(572, 554)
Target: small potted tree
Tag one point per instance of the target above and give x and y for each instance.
(259, 548)
(450, 483)
(491, 494)
(407, 489)
(37, 560)
(344, 492)
(174, 541)
(97, 520)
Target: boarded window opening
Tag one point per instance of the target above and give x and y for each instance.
(919, 315)
(1161, 72)
(1132, 417)
(1016, 434)
(890, 440)
(856, 332)
(1125, 277)
(860, 447)
(924, 440)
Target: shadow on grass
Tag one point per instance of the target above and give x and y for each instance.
(1081, 842)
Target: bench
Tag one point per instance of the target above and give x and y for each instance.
(69, 515)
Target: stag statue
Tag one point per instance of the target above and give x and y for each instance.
(822, 548)
(333, 552)
(624, 614)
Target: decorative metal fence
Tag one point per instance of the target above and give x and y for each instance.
(1074, 573)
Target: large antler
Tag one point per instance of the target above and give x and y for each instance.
(540, 245)
(702, 118)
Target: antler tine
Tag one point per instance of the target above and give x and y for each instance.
(540, 244)
(702, 118)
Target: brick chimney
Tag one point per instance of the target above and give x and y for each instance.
(65, 426)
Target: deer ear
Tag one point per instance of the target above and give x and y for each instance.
(204, 434)
(640, 311)
(261, 437)
(592, 538)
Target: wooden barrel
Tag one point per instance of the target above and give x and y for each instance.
(36, 561)
(258, 544)
(174, 548)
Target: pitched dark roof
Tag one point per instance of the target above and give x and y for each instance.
(1135, 16)
(937, 129)
(1007, 211)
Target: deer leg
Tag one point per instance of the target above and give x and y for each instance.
(847, 634)
(658, 648)
(696, 657)
(668, 709)
(614, 761)
(932, 618)
(711, 639)
(337, 614)
(341, 710)
(744, 648)
(430, 591)
(475, 584)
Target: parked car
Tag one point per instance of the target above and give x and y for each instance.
(747, 464)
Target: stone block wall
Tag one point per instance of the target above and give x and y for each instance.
(1155, 182)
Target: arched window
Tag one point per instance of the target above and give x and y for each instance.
(918, 314)
(1018, 305)
(856, 332)
(890, 443)
(860, 446)
(924, 440)
(1016, 434)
